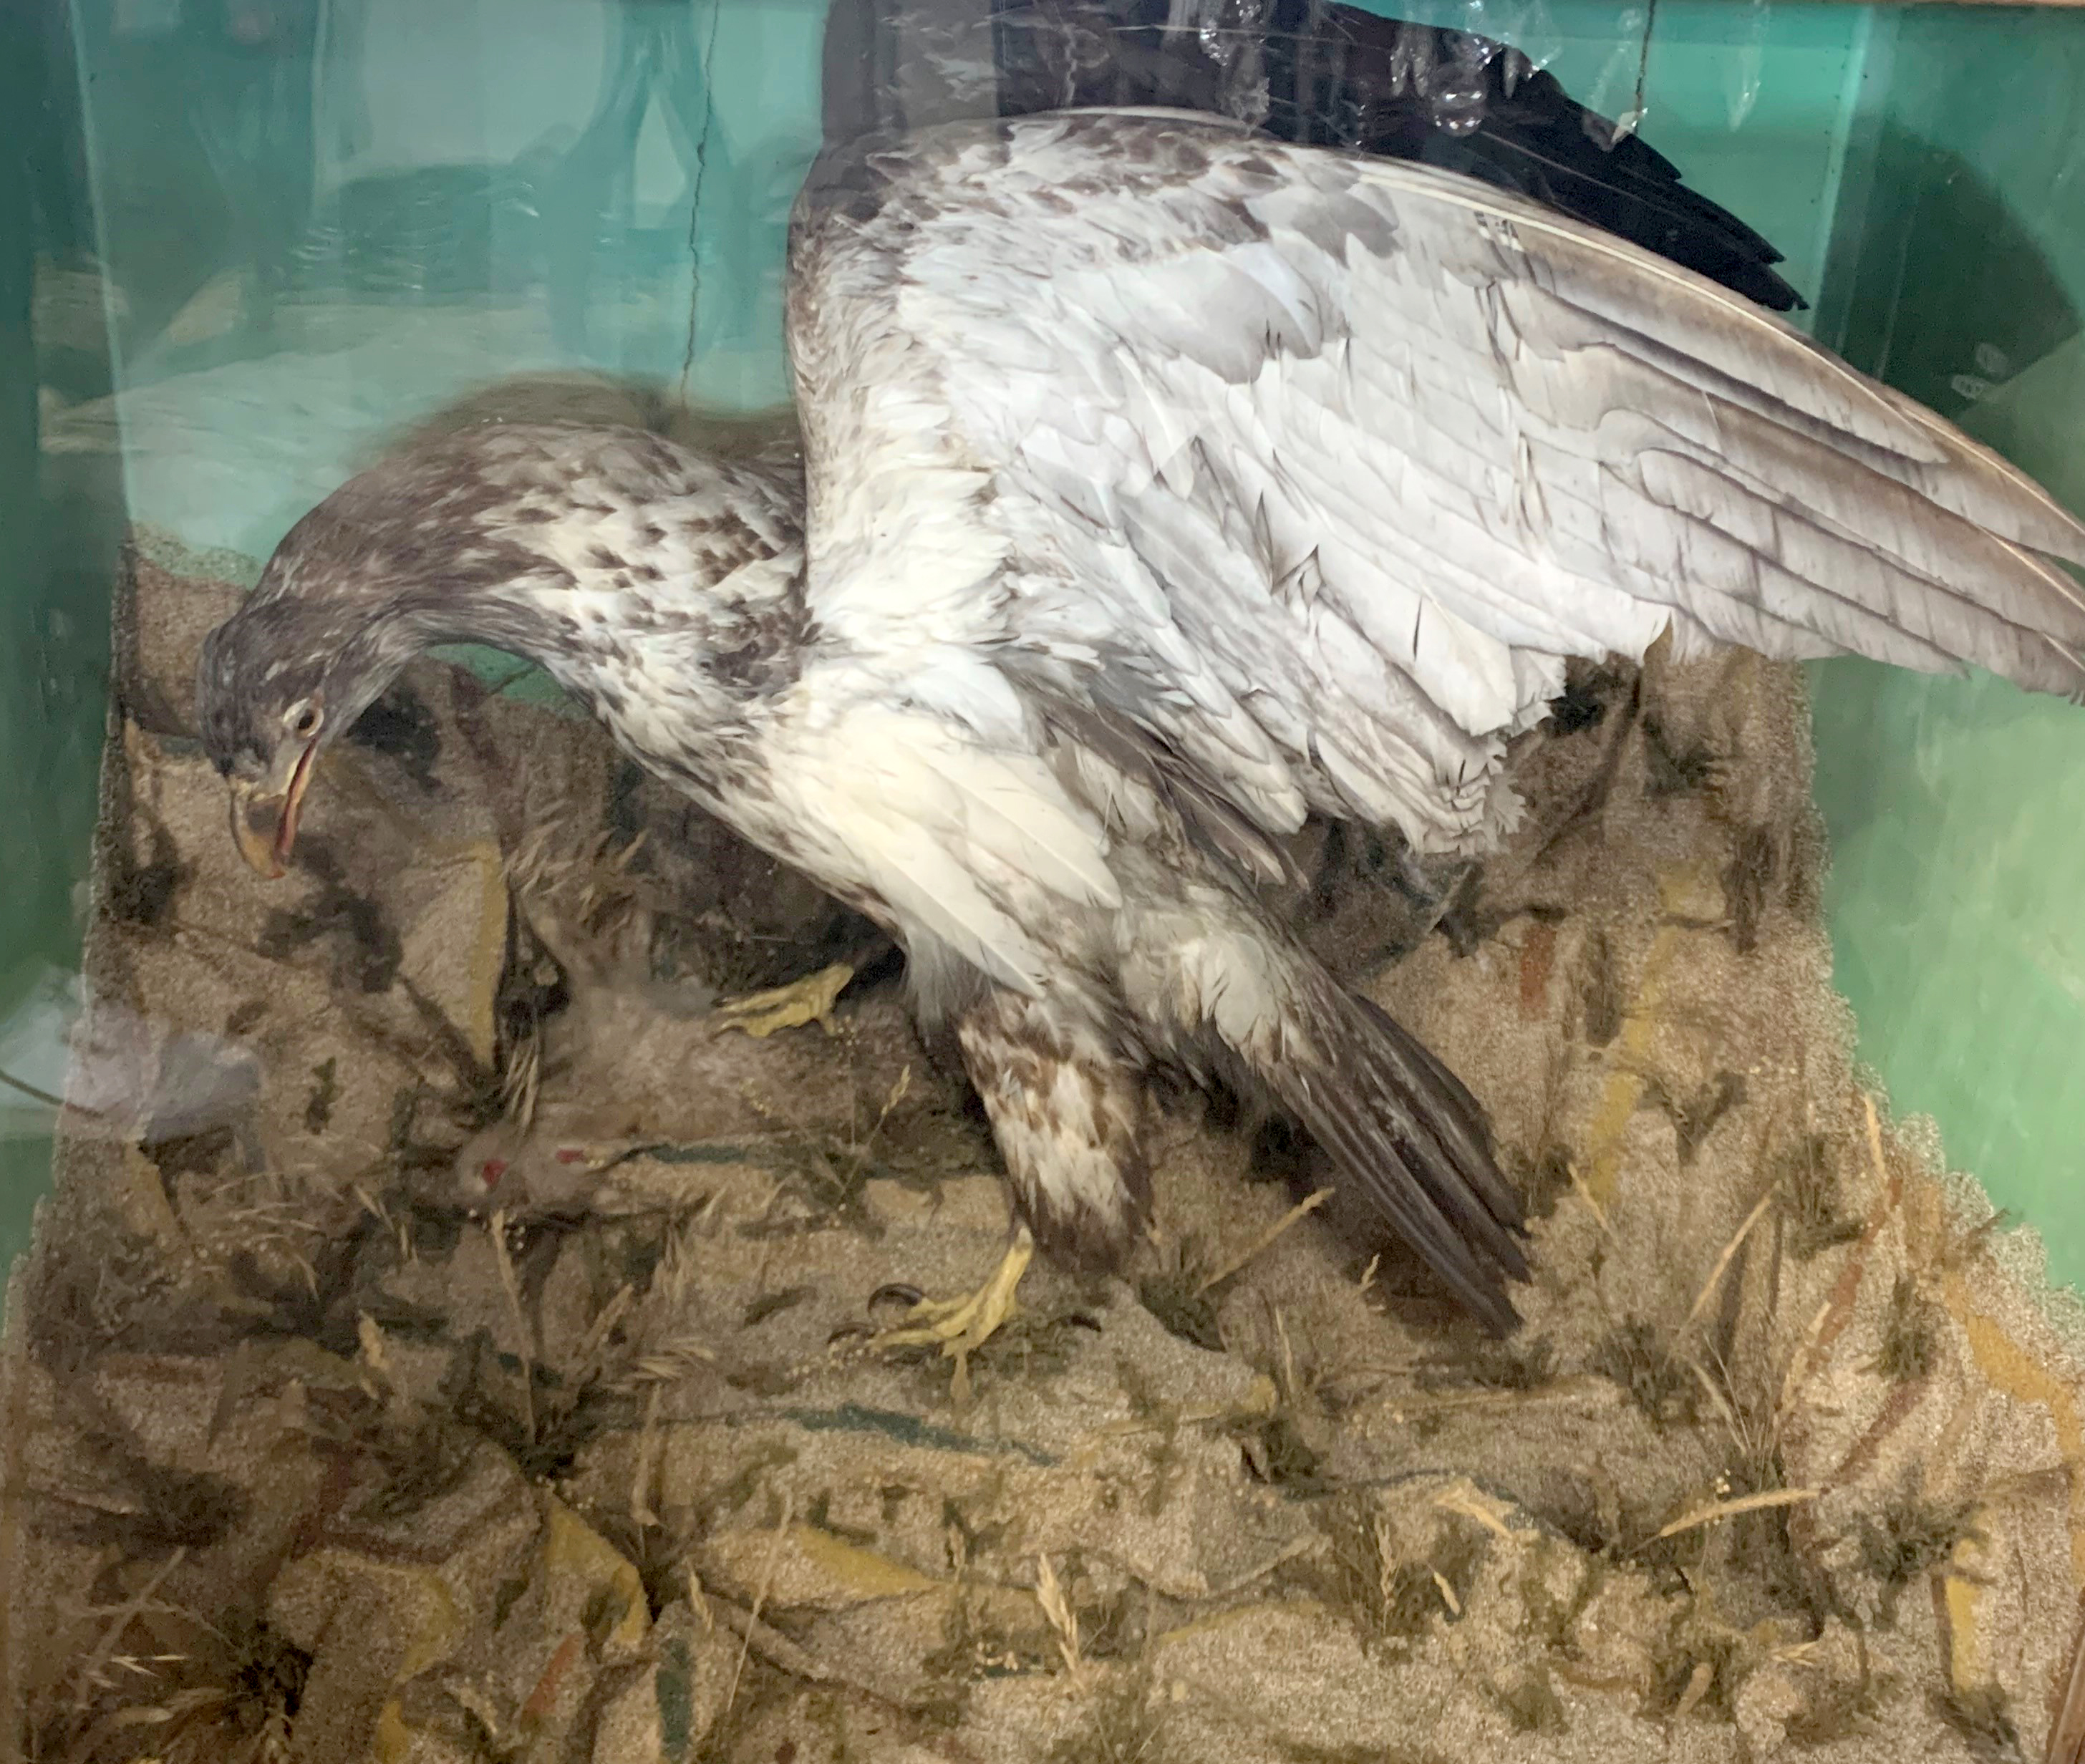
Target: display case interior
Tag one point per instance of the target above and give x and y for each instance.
(466, 1311)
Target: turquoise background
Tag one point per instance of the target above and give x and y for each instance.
(1921, 167)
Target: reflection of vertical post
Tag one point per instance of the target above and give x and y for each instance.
(855, 70)
(253, 115)
(21, 103)
(892, 67)
(21, 1165)
(592, 184)
(947, 40)
(24, 890)
(715, 193)
(58, 152)
(658, 50)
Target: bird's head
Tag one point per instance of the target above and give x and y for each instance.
(563, 543)
(266, 751)
(311, 648)
(389, 563)
(413, 552)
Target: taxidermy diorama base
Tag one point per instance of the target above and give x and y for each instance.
(450, 1336)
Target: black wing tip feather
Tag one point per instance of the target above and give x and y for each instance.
(1341, 76)
(1319, 73)
(1537, 140)
(1674, 222)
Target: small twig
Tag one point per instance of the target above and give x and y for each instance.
(1593, 798)
(668, 1363)
(1729, 1251)
(1700, 1682)
(1832, 1315)
(1716, 1399)
(369, 1335)
(1799, 1369)
(497, 1226)
(394, 1229)
(647, 1453)
(1730, 1509)
(1296, 1546)
(753, 1622)
(798, 1662)
(1464, 1497)
(2066, 1734)
(1256, 1407)
(1309, 1204)
(597, 1335)
(1580, 1188)
(1584, 1390)
(898, 1092)
(88, 1671)
(33, 1093)
(1875, 1143)
(770, 1643)
(1289, 1386)
(1050, 1594)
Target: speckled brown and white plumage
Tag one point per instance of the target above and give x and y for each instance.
(1165, 484)
(582, 547)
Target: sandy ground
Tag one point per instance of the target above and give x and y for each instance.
(448, 1341)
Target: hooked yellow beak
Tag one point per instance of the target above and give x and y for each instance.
(264, 822)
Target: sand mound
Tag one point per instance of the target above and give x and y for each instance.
(310, 1455)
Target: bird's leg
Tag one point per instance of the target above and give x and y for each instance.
(1065, 1111)
(808, 1000)
(961, 1325)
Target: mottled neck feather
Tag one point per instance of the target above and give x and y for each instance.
(675, 647)
(663, 587)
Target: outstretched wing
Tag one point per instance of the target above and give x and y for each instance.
(1315, 467)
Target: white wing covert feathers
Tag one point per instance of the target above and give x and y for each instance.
(1318, 466)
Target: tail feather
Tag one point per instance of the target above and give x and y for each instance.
(1461, 1121)
(1231, 993)
(1400, 1124)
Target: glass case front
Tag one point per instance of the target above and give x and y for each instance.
(494, 1171)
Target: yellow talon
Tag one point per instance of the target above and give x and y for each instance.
(961, 1325)
(808, 1000)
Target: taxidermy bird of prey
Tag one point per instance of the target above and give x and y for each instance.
(1162, 486)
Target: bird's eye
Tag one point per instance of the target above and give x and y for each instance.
(304, 718)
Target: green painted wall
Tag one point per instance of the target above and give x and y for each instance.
(55, 554)
(1957, 808)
